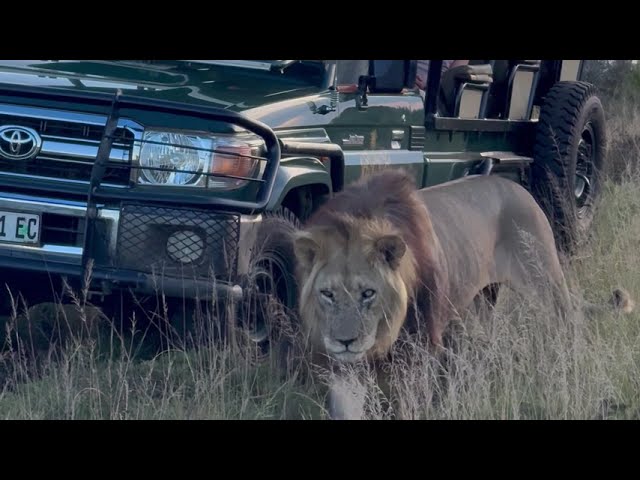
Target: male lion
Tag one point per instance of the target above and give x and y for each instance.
(381, 256)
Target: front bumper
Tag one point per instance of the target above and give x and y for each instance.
(130, 252)
(105, 281)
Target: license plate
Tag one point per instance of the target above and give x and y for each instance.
(17, 227)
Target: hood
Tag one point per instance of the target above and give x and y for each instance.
(233, 85)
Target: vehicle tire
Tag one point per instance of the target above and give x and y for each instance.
(569, 160)
(271, 290)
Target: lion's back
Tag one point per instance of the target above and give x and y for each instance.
(380, 195)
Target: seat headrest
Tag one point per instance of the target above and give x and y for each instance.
(473, 73)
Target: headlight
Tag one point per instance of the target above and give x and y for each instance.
(181, 158)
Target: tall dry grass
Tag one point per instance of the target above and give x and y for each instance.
(523, 363)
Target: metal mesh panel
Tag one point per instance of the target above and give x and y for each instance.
(177, 241)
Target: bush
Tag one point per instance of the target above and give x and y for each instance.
(618, 82)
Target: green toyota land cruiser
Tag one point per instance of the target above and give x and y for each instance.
(164, 175)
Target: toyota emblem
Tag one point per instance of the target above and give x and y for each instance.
(19, 143)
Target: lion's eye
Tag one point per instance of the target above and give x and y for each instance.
(369, 293)
(327, 294)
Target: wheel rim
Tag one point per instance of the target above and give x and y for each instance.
(269, 283)
(584, 176)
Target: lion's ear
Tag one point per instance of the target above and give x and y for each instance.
(391, 249)
(306, 249)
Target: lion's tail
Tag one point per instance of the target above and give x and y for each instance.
(619, 302)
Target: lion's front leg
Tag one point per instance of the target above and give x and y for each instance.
(347, 397)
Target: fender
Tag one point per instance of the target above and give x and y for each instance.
(295, 172)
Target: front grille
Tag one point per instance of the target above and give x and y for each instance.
(69, 147)
(156, 239)
(57, 128)
(62, 230)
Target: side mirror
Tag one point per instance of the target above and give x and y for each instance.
(391, 76)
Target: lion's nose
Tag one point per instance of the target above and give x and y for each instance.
(346, 343)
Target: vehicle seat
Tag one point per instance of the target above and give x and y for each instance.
(462, 90)
(523, 80)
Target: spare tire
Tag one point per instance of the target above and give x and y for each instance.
(569, 160)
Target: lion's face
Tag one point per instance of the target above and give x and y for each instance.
(353, 294)
(349, 296)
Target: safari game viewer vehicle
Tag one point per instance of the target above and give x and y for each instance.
(163, 175)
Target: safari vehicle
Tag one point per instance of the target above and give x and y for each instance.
(164, 175)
